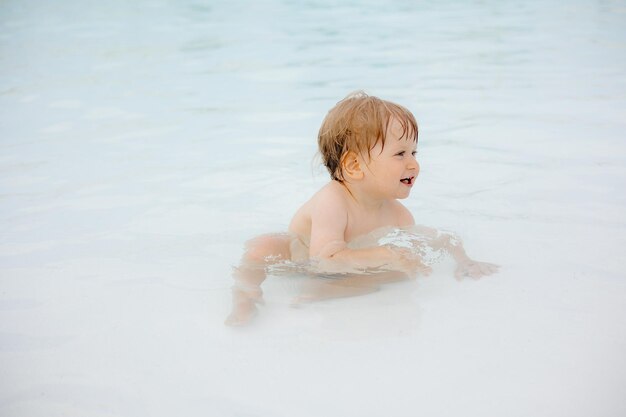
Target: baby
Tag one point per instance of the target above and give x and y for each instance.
(369, 147)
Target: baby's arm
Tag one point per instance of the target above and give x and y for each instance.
(466, 267)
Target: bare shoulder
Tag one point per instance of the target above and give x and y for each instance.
(328, 200)
(331, 194)
(402, 215)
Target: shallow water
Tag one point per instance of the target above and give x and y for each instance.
(144, 142)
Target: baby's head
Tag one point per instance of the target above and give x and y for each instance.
(358, 123)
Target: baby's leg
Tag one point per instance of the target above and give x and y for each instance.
(318, 289)
(260, 253)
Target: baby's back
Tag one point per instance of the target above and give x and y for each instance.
(301, 222)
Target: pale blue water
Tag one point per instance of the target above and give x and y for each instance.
(143, 142)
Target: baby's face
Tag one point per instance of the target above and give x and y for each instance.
(392, 170)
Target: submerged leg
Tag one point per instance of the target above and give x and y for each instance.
(349, 286)
(324, 289)
(260, 253)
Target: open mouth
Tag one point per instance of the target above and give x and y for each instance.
(408, 181)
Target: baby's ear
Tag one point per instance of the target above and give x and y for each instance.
(351, 166)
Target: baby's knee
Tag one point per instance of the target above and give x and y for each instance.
(266, 249)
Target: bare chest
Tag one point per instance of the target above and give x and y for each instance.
(361, 223)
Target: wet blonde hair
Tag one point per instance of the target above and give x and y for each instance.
(358, 123)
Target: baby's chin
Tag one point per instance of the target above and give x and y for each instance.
(405, 194)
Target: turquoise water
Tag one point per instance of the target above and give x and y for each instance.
(142, 143)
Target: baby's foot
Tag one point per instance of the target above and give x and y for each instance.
(241, 314)
(244, 306)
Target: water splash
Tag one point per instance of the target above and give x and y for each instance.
(426, 246)
(429, 245)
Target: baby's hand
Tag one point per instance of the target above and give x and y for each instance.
(408, 262)
(474, 269)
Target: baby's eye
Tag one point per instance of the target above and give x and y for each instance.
(400, 153)
(414, 153)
